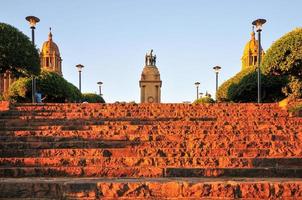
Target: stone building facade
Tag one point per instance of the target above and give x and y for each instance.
(250, 53)
(50, 56)
(150, 83)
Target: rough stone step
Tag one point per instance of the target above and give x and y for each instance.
(203, 145)
(94, 171)
(207, 140)
(148, 134)
(151, 188)
(203, 162)
(66, 144)
(150, 171)
(154, 152)
(234, 172)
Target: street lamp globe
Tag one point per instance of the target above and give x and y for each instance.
(32, 20)
(217, 69)
(79, 67)
(258, 24)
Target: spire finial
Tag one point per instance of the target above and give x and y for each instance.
(50, 34)
(253, 32)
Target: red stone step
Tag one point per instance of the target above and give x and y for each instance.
(151, 188)
(219, 162)
(155, 152)
(74, 144)
(234, 172)
(94, 171)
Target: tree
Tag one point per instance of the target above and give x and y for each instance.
(52, 86)
(284, 58)
(17, 53)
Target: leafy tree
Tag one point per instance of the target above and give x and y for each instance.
(17, 53)
(284, 58)
(52, 86)
(92, 98)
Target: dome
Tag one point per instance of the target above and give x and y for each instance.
(251, 46)
(150, 73)
(49, 47)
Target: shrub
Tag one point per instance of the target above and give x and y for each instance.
(284, 58)
(18, 54)
(205, 99)
(52, 86)
(243, 87)
(92, 98)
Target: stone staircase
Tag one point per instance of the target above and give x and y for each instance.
(150, 151)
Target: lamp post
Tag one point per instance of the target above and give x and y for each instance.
(197, 89)
(217, 69)
(258, 23)
(80, 67)
(32, 23)
(100, 87)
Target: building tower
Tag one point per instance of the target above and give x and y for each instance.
(50, 56)
(150, 83)
(250, 53)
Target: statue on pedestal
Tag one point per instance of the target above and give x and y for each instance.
(150, 60)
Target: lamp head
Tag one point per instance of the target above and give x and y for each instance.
(100, 83)
(32, 20)
(79, 66)
(197, 84)
(217, 69)
(258, 24)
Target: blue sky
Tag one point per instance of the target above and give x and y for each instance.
(190, 37)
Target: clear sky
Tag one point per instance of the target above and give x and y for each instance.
(110, 38)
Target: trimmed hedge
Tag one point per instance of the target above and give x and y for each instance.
(243, 87)
(284, 58)
(92, 98)
(52, 86)
(205, 99)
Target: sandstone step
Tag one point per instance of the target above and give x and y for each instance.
(203, 162)
(155, 152)
(66, 144)
(148, 133)
(151, 188)
(89, 171)
(234, 172)
(204, 145)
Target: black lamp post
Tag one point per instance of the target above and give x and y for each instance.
(197, 89)
(80, 67)
(217, 69)
(100, 87)
(32, 22)
(258, 23)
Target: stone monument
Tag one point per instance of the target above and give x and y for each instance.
(150, 82)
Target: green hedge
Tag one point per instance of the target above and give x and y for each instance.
(92, 98)
(52, 86)
(205, 99)
(284, 58)
(243, 87)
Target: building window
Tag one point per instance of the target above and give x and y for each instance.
(47, 62)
